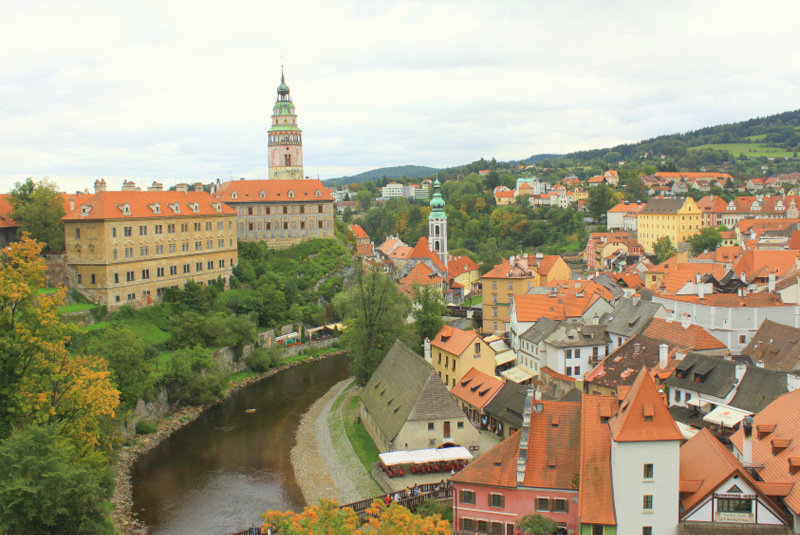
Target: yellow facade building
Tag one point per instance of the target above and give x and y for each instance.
(516, 276)
(281, 213)
(454, 352)
(127, 247)
(677, 219)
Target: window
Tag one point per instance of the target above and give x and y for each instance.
(647, 530)
(677, 395)
(142, 230)
(497, 500)
(113, 232)
(735, 505)
(597, 529)
(172, 247)
(210, 264)
(209, 244)
(208, 225)
(460, 425)
(221, 241)
(185, 247)
(80, 278)
(77, 234)
(647, 502)
(145, 274)
(494, 285)
(302, 209)
(647, 471)
(129, 276)
(129, 252)
(160, 272)
(198, 245)
(116, 278)
(576, 370)
(285, 209)
(173, 270)
(568, 353)
(127, 231)
(430, 426)
(171, 228)
(198, 227)
(184, 227)
(285, 225)
(221, 262)
(319, 224)
(320, 209)
(467, 524)
(569, 370)
(115, 254)
(467, 496)
(560, 505)
(198, 266)
(186, 268)
(542, 504)
(143, 251)
(92, 279)
(159, 249)
(158, 229)
(131, 296)
(483, 526)
(742, 338)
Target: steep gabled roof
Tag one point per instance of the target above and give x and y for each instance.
(496, 467)
(454, 340)
(457, 265)
(422, 251)
(359, 232)
(476, 388)
(630, 317)
(596, 496)
(508, 403)
(420, 275)
(643, 415)
(775, 346)
(717, 375)
(554, 446)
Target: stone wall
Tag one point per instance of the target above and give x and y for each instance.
(58, 272)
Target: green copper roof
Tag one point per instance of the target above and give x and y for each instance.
(437, 203)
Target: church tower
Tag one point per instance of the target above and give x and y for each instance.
(437, 225)
(285, 138)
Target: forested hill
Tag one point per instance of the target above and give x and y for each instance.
(408, 171)
(776, 136)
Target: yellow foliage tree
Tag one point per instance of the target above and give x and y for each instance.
(326, 518)
(41, 381)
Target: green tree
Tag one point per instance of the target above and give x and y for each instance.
(193, 377)
(707, 239)
(663, 249)
(48, 487)
(126, 356)
(364, 200)
(38, 208)
(375, 313)
(428, 310)
(601, 200)
(538, 525)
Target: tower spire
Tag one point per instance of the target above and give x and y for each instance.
(437, 225)
(284, 137)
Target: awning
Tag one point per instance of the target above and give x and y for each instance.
(517, 374)
(726, 416)
(699, 403)
(430, 455)
(686, 430)
(504, 358)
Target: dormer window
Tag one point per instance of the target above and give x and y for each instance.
(262, 194)
(175, 207)
(85, 209)
(156, 208)
(317, 193)
(234, 195)
(217, 206)
(125, 208)
(195, 207)
(291, 194)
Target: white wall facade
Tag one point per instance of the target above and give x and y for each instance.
(705, 511)
(630, 486)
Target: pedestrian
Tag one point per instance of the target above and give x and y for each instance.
(415, 490)
(397, 496)
(387, 500)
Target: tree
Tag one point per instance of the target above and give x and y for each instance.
(663, 249)
(48, 487)
(601, 200)
(38, 208)
(707, 239)
(375, 313)
(328, 519)
(126, 356)
(538, 525)
(428, 310)
(364, 199)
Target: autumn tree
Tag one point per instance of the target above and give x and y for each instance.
(38, 208)
(328, 519)
(375, 313)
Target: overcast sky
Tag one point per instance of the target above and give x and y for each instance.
(176, 91)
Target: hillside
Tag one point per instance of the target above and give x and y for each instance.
(409, 171)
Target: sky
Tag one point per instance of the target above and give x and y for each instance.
(183, 91)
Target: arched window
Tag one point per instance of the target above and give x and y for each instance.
(287, 160)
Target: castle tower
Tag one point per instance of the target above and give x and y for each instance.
(437, 225)
(285, 138)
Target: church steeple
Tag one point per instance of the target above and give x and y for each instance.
(285, 139)
(437, 225)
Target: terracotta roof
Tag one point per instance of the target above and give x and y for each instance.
(389, 245)
(782, 413)
(497, 467)
(476, 388)
(532, 307)
(706, 463)
(457, 265)
(401, 252)
(359, 232)
(691, 337)
(745, 225)
(304, 190)
(365, 249)
(597, 179)
(453, 340)
(685, 273)
(5, 210)
(691, 176)
(504, 194)
(145, 204)
(621, 367)
(763, 261)
(712, 203)
(643, 415)
(762, 299)
(627, 207)
(596, 497)
(422, 250)
(554, 445)
(420, 275)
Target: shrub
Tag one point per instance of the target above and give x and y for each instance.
(145, 427)
(261, 360)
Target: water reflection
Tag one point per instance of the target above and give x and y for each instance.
(218, 474)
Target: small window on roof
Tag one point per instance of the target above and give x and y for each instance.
(156, 208)
(217, 206)
(126, 209)
(262, 193)
(291, 194)
(234, 195)
(195, 207)
(85, 209)
(317, 193)
(175, 207)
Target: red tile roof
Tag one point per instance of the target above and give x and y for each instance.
(596, 497)
(761, 262)
(365, 249)
(146, 204)
(533, 307)
(5, 210)
(691, 337)
(504, 194)
(359, 232)
(762, 299)
(422, 250)
(554, 445)
(497, 467)
(453, 340)
(420, 275)
(457, 265)
(712, 203)
(627, 207)
(476, 388)
(643, 415)
(303, 190)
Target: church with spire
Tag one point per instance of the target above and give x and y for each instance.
(285, 139)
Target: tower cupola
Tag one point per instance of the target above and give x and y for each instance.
(285, 139)
(437, 225)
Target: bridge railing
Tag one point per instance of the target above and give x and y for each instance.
(436, 491)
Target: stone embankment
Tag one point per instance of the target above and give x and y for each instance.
(125, 521)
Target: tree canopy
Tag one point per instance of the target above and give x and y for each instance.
(707, 239)
(38, 208)
(428, 309)
(663, 249)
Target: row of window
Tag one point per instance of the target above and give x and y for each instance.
(127, 231)
(268, 225)
(130, 276)
(131, 296)
(267, 210)
(172, 248)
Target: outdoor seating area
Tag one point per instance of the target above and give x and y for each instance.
(427, 461)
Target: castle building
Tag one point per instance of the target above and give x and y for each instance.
(437, 225)
(285, 139)
(281, 213)
(127, 247)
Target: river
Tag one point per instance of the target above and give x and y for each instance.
(218, 474)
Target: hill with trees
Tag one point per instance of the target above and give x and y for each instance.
(388, 173)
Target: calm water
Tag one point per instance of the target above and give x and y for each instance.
(219, 473)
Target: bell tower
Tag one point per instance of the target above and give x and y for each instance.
(285, 138)
(437, 225)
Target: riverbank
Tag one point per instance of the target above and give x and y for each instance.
(324, 463)
(124, 520)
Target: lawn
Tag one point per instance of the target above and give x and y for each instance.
(475, 300)
(149, 333)
(749, 149)
(359, 438)
(75, 307)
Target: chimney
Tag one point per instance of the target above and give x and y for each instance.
(747, 441)
(198, 187)
(686, 322)
(663, 356)
(739, 371)
(771, 282)
(99, 185)
(182, 187)
(157, 186)
(743, 278)
(427, 350)
(701, 290)
(636, 348)
(72, 202)
(128, 185)
(522, 460)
